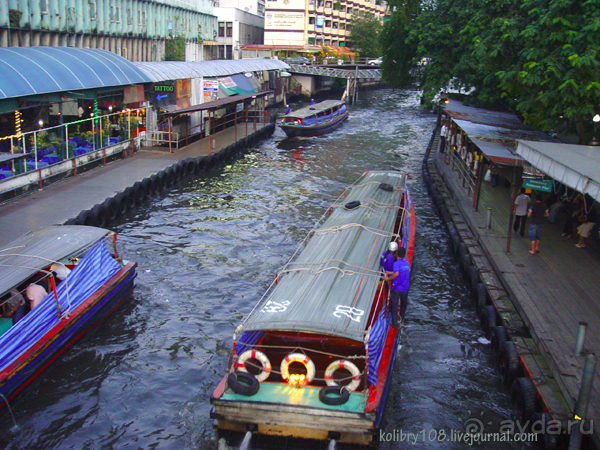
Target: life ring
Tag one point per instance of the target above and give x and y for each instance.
(261, 357)
(243, 383)
(352, 205)
(334, 395)
(301, 358)
(343, 364)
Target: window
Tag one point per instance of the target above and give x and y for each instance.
(221, 29)
(335, 25)
(129, 16)
(141, 18)
(93, 10)
(44, 6)
(229, 29)
(115, 14)
(328, 4)
(326, 41)
(311, 41)
(311, 20)
(328, 23)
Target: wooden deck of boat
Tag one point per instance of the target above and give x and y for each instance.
(552, 291)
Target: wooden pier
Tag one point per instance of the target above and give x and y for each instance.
(540, 298)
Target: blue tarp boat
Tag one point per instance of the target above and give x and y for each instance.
(323, 324)
(97, 283)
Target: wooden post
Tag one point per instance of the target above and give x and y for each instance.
(479, 184)
(209, 132)
(246, 111)
(235, 123)
(170, 133)
(255, 112)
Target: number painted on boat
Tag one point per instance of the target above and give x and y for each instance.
(348, 311)
(275, 307)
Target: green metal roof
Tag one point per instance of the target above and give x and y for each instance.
(330, 287)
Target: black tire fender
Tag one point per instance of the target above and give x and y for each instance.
(199, 167)
(112, 209)
(499, 336)
(386, 187)
(334, 395)
(122, 203)
(488, 320)
(480, 301)
(508, 362)
(243, 383)
(523, 395)
(99, 215)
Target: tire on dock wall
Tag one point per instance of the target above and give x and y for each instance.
(122, 203)
(488, 320)
(498, 337)
(199, 165)
(508, 362)
(523, 394)
(480, 301)
(112, 209)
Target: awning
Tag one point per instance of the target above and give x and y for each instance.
(495, 143)
(575, 166)
(236, 85)
(216, 104)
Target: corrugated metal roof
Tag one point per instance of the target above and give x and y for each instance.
(576, 166)
(175, 70)
(42, 70)
(311, 110)
(494, 133)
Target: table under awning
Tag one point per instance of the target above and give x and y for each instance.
(575, 166)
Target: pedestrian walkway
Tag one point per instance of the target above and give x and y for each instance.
(64, 200)
(553, 290)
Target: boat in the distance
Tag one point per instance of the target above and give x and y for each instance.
(316, 119)
(314, 359)
(96, 280)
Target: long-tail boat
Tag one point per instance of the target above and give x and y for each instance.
(314, 358)
(96, 280)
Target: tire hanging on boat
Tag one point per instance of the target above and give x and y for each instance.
(301, 358)
(352, 205)
(243, 383)
(261, 357)
(343, 364)
(334, 395)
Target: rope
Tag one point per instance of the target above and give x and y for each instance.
(344, 272)
(337, 229)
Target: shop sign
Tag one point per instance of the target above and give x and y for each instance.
(538, 185)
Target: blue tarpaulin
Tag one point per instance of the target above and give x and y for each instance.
(96, 267)
(377, 337)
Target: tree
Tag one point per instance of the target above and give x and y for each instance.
(364, 35)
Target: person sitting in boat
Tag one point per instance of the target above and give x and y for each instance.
(35, 294)
(400, 279)
(287, 109)
(60, 271)
(15, 306)
(312, 101)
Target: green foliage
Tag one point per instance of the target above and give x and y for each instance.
(14, 17)
(175, 49)
(364, 35)
(537, 57)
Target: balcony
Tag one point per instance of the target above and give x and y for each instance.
(335, 13)
(327, 31)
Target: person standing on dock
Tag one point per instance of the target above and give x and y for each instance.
(520, 212)
(443, 134)
(400, 279)
(538, 212)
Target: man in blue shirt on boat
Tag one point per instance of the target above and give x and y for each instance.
(400, 278)
(312, 101)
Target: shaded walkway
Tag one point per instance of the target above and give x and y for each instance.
(553, 290)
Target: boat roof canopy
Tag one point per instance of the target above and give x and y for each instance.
(311, 110)
(32, 252)
(330, 287)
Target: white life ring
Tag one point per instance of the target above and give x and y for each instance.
(301, 358)
(261, 357)
(343, 364)
(469, 158)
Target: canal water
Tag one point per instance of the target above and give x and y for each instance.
(208, 250)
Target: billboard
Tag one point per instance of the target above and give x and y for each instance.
(280, 20)
(320, 20)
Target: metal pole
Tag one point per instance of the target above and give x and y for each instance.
(583, 401)
(512, 209)
(488, 218)
(170, 133)
(235, 123)
(580, 338)
(246, 111)
(209, 132)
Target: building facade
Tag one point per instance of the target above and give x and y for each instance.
(237, 27)
(315, 22)
(135, 29)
